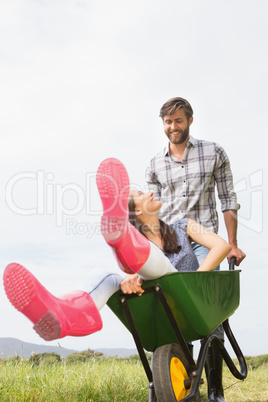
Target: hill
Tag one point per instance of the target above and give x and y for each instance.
(15, 347)
(12, 347)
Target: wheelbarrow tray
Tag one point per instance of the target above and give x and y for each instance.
(200, 302)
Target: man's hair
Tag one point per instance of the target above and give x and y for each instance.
(174, 104)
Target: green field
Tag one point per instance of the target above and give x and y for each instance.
(87, 377)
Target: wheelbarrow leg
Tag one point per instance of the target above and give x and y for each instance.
(213, 368)
(152, 396)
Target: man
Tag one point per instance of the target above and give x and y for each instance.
(184, 176)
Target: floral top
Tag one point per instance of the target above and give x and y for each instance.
(185, 259)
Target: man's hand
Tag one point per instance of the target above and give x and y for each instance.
(238, 254)
(132, 284)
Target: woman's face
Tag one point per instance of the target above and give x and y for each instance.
(145, 203)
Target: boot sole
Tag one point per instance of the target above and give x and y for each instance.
(21, 291)
(113, 185)
(18, 286)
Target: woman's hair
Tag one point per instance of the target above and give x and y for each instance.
(173, 105)
(168, 234)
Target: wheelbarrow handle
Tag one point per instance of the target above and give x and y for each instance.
(232, 264)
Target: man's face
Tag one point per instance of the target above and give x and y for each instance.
(176, 127)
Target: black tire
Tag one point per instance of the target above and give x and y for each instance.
(170, 369)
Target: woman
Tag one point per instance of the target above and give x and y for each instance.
(138, 255)
(174, 239)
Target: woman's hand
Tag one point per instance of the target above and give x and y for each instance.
(132, 284)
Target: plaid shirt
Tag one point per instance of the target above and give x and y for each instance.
(187, 188)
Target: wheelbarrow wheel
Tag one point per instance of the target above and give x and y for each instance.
(170, 370)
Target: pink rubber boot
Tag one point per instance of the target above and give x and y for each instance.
(72, 314)
(131, 248)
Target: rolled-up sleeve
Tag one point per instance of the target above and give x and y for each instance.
(224, 180)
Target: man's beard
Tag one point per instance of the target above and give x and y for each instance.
(182, 138)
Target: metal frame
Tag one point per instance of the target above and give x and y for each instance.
(195, 368)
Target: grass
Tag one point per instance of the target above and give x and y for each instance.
(93, 380)
(253, 388)
(107, 379)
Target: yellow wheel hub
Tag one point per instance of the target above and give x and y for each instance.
(178, 374)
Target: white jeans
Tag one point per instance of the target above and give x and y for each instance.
(101, 284)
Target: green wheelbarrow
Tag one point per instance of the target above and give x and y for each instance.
(173, 311)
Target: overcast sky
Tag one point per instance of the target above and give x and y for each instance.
(84, 80)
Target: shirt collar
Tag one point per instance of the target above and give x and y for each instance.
(191, 142)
